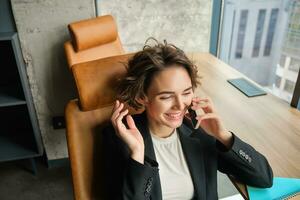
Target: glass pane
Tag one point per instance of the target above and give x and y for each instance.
(289, 86)
(241, 34)
(271, 29)
(294, 65)
(259, 31)
(282, 60)
(277, 81)
(261, 39)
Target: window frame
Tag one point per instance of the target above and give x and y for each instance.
(217, 6)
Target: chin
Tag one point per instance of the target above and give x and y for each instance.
(174, 124)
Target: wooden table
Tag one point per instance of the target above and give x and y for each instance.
(266, 122)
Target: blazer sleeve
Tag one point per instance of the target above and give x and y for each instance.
(244, 163)
(125, 178)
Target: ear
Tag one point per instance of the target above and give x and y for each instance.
(143, 100)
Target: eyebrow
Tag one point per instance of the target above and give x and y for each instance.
(170, 92)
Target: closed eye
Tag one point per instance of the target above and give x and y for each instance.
(187, 93)
(165, 97)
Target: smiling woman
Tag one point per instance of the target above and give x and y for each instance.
(162, 80)
(146, 64)
(167, 100)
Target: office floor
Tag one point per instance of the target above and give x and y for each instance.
(17, 183)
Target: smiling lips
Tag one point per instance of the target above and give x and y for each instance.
(174, 116)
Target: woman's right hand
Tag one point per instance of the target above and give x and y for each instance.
(131, 135)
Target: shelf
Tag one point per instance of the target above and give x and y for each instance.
(10, 150)
(19, 131)
(8, 97)
(6, 35)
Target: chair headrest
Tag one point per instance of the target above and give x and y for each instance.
(93, 32)
(96, 81)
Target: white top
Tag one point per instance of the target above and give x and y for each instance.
(175, 178)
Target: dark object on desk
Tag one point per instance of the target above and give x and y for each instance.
(246, 87)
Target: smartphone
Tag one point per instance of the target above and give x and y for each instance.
(193, 116)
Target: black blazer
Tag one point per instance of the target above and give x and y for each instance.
(127, 179)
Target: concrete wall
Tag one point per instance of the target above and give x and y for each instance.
(42, 28)
(185, 23)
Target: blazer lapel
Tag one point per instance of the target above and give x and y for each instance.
(142, 124)
(192, 150)
(195, 160)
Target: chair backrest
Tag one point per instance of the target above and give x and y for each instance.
(95, 81)
(92, 39)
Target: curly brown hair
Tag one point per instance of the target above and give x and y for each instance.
(145, 64)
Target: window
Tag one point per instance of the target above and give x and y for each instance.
(282, 61)
(262, 41)
(271, 30)
(294, 65)
(277, 81)
(292, 40)
(241, 34)
(289, 86)
(259, 31)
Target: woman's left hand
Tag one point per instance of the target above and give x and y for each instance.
(210, 121)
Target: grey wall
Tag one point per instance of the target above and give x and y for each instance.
(42, 28)
(185, 23)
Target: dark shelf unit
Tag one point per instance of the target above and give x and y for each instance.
(20, 136)
(9, 97)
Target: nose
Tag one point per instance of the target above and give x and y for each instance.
(179, 104)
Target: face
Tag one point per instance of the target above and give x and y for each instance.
(168, 97)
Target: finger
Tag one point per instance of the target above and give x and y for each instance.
(203, 99)
(200, 118)
(197, 125)
(200, 101)
(117, 112)
(130, 122)
(206, 116)
(114, 108)
(121, 115)
(196, 106)
(206, 107)
(117, 103)
(206, 104)
(119, 123)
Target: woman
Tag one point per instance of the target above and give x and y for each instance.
(159, 154)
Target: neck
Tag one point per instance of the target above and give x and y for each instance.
(160, 130)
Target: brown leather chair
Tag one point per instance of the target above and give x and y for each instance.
(93, 39)
(85, 117)
(93, 59)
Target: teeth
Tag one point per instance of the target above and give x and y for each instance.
(174, 115)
